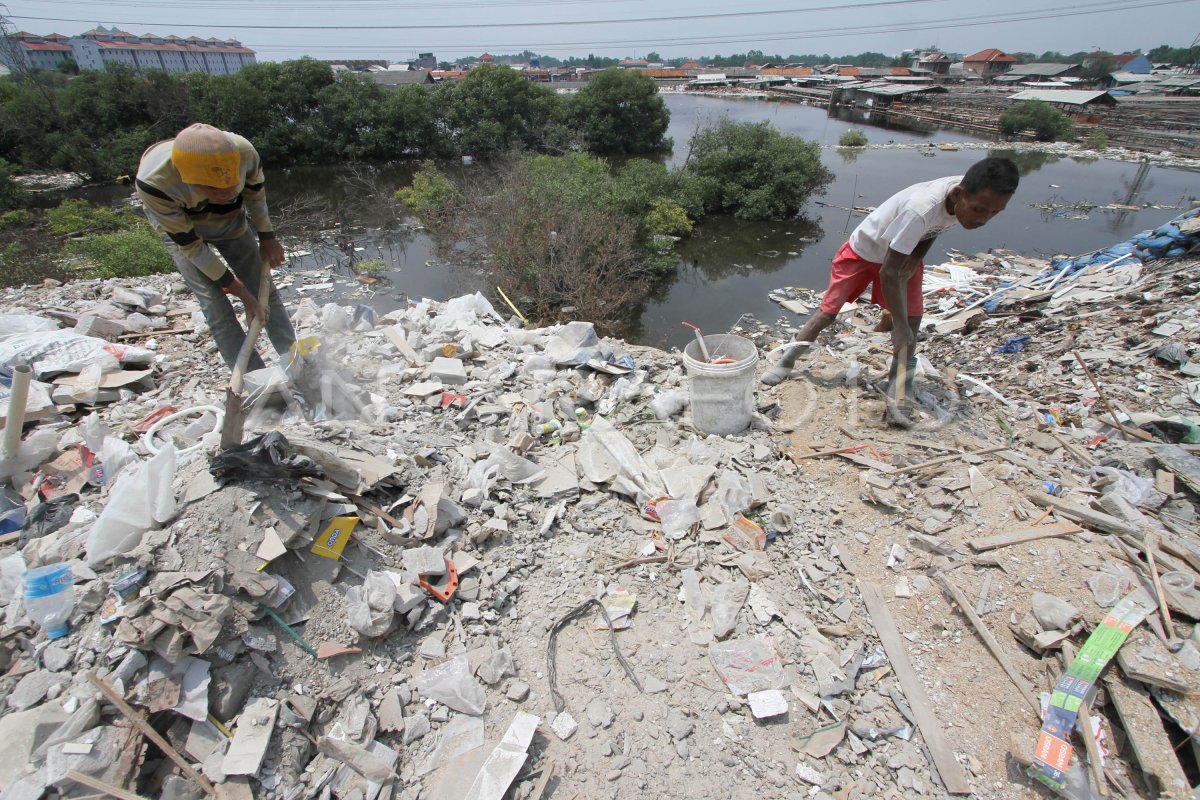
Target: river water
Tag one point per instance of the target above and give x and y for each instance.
(728, 266)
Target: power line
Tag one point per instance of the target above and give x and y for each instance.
(620, 21)
(323, 5)
(773, 36)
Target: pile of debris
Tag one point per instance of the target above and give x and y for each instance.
(462, 559)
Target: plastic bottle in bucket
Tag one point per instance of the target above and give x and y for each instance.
(50, 598)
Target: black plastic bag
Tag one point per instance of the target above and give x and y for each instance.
(267, 458)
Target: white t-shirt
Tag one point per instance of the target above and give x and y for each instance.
(905, 220)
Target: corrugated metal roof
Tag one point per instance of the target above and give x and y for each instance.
(1074, 97)
(1049, 70)
(886, 89)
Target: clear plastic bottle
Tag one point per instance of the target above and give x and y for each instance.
(50, 597)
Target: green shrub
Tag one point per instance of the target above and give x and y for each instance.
(751, 170)
(80, 216)
(12, 194)
(667, 218)
(17, 218)
(1047, 122)
(21, 264)
(852, 138)
(371, 266)
(1096, 140)
(429, 192)
(123, 254)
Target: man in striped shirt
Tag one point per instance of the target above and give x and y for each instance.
(203, 190)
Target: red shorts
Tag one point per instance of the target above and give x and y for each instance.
(850, 276)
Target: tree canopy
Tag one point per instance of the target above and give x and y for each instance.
(300, 112)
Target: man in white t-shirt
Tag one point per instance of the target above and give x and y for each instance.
(885, 252)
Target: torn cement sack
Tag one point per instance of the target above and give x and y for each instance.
(50, 353)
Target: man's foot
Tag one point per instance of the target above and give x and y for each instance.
(783, 369)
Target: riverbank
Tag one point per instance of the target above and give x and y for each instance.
(870, 682)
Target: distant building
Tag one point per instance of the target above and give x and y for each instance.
(391, 78)
(935, 62)
(633, 63)
(988, 63)
(423, 61)
(36, 52)
(100, 47)
(1133, 62)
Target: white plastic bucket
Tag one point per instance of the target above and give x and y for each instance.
(722, 394)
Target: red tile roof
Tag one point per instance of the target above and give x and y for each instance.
(40, 46)
(991, 54)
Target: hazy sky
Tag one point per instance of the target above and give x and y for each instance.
(392, 29)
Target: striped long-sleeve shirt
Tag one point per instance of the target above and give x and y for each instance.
(188, 219)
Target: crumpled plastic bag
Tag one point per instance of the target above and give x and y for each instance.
(733, 493)
(370, 607)
(452, 684)
(1136, 490)
(677, 517)
(139, 500)
(670, 403)
(266, 458)
(702, 454)
(574, 344)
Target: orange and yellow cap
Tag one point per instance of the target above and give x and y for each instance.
(206, 156)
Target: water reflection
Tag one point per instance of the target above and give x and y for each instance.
(850, 154)
(1027, 161)
(722, 247)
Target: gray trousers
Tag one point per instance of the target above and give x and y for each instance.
(242, 256)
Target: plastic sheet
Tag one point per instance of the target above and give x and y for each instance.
(452, 684)
(1136, 490)
(747, 665)
(11, 324)
(137, 502)
(733, 493)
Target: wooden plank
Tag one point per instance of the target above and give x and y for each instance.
(1147, 738)
(1023, 535)
(102, 786)
(1085, 516)
(993, 646)
(1179, 461)
(1164, 481)
(148, 731)
(1159, 668)
(953, 777)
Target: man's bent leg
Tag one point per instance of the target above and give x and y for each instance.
(218, 312)
(244, 258)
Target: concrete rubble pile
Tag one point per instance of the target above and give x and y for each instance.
(455, 558)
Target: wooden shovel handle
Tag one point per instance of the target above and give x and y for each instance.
(243, 358)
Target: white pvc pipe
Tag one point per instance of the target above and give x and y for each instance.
(21, 375)
(148, 437)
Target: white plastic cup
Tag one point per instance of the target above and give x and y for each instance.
(722, 394)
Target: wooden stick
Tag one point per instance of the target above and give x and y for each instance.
(1135, 432)
(1084, 723)
(1023, 535)
(102, 786)
(933, 462)
(1149, 544)
(940, 751)
(989, 640)
(142, 725)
